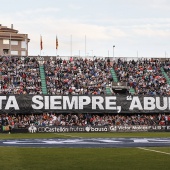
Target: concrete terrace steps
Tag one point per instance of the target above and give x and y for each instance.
(43, 79)
(108, 91)
(132, 90)
(165, 75)
(114, 76)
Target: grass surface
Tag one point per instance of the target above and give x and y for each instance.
(17, 158)
(82, 159)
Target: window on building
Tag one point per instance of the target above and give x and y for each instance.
(14, 42)
(24, 44)
(6, 51)
(14, 52)
(23, 53)
(5, 41)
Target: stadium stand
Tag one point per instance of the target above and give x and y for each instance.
(53, 119)
(83, 76)
(77, 76)
(144, 76)
(20, 76)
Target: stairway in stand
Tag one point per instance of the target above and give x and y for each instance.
(114, 76)
(165, 75)
(43, 80)
(108, 90)
(132, 90)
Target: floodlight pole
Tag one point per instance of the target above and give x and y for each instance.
(113, 50)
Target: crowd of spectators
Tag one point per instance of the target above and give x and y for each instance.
(19, 76)
(78, 76)
(144, 76)
(52, 119)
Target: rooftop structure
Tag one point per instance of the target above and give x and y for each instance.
(12, 43)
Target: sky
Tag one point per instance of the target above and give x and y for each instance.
(137, 28)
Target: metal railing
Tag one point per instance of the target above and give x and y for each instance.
(54, 58)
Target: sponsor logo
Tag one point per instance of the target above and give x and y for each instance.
(98, 129)
(52, 129)
(47, 129)
(32, 129)
(113, 128)
(87, 129)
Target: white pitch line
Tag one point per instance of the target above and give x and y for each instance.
(153, 150)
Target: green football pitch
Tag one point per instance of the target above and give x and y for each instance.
(20, 158)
